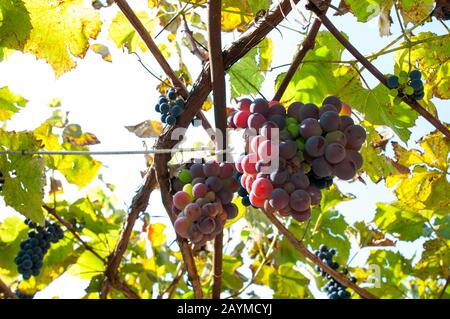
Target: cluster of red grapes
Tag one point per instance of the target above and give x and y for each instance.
(29, 260)
(333, 288)
(203, 200)
(407, 84)
(292, 154)
(171, 106)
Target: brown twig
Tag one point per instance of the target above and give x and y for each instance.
(7, 291)
(373, 70)
(343, 280)
(195, 50)
(308, 44)
(151, 45)
(172, 286)
(139, 204)
(220, 117)
(71, 229)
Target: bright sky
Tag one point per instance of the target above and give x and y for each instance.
(104, 97)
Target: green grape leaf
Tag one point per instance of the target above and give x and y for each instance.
(365, 235)
(12, 232)
(124, 35)
(24, 175)
(287, 282)
(245, 76)
(231, 278)
(435, 260)
(10, 103)
(15, 26)
(265, 49)
(399, 220)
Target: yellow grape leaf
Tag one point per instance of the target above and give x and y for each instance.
(72, 133)
(10, 103)
(146, 129)
(156, 234)
(103, 51)
(263, 276)
(207, 105)
(415, 10)
(265, 49)
(239, 14)
(60, 31)
(124, 35)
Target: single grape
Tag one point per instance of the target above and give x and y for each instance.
(181, 200)
(315, 146)
(289, 187)
(192, 212)
(393, 82)
(327, 108)
(346, 121)
(336, 137)
(408, 90)
(256, 201)
(345, 170)
(240, 119)
(279, 120)
(285, 212)
(164, 108)
(244, 104)
(308, 111)
(256, 141)
(198, 180)
(180, 103)
(279, 177)
(246, 201)
(260, 106)
(356, 135)
(162, 100)
(195, 235)
(172, 95)
(300, 180)
(270, 130)
(279, 199)
(268, 150)
(285, 135)
(302, 216)
(211, 168)
(335, 101)
(214, 183)
(227, 170)
(335, 153)
(300, 200)
(225, 195)
(355, 157)
(157, 109)
(185, 176)
(287, 149)
(415, 75)
(294, 110)
(231, 210)
(277, 109)
(164, 118)
(206, 225)
(230, 122)
(330, 121)
(310, 127)
(293, 129)
(255, 121)
(262, 187)
(321, 167)
(249, 163)
(416, 85)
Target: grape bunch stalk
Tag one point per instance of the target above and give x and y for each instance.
(407, 85)
(30, 258)
(334, 289)
(308, 145)
(203, 200)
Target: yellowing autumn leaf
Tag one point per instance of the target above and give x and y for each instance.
(56, 31)
(146, 129)
(156, 234)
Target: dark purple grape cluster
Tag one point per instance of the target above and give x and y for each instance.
(171, 106)
(30, 258)
(333, 288)
(308, 145)
(203, 200)
(407, 85)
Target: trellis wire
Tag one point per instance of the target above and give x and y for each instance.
(140, 152)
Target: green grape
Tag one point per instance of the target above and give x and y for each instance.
(393, 92)
(293, 129)
(300, 144)
(291, 120)
(185, 176)
(408, 90)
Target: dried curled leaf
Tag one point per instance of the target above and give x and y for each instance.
(146, 129)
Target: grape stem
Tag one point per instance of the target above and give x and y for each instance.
(7, 291)
(308, 44)
(139, 204)
(373, 70)
(195, 50)
(343, 280)
(220, 117)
